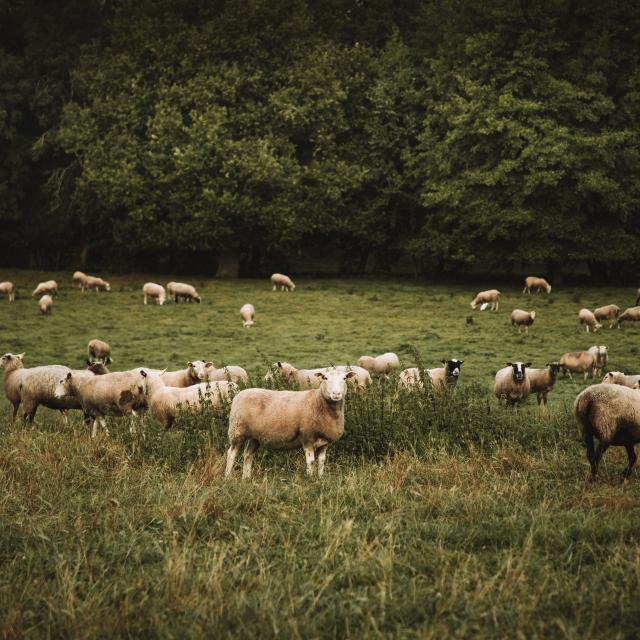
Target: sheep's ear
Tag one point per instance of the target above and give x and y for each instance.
(189, 365)
(208, 365)
(68, 376)
(163, 371)
(460, 361)
(443, 361)
(143, 373)
(527, 364)
(319, 374)
(509, 364)
(279, 365)
(21, 355)
(350, 374)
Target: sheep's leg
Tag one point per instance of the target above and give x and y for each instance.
(247, 457)
(310, 456)
(631, 453)
(596, 457)
(322, 456)
(65, 415)
(275, 287)
(103, 424)
(145, 298)
(94, 429)
(16, 406)
(231, 458)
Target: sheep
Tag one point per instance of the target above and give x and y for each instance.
(579, 362)
(99, 351)
(45, 303)
(485, 298)
(153, 290)
(308, 379)
(440, 378)
(247, 313)
(181, 290)
(183, 377)
(207, 372)
(284, 282)
(587, 318)
(617, 377)
(382, 365)
(312, 419)
(166, 401)
(539, 284)
(512, 383)
(95, 283)
(601, 355)
(541, 381)
(610, 413)
(632, 314)
(80, 278)
(50, 287)
(609, 312)
(522, 318)
(34, 386)
(111, 394)
(8, 288)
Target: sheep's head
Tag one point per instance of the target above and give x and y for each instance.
(98, 368)
(452, 367)
(613, 377)
(532, 314)
(518, 370)
(197, 298)
(63, 386)
(11, 361)
(248, 323)
(333, 385)
(107, 286)
(201, 369)
(286, 370)
(554, 368)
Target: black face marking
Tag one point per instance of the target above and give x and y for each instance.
(453, 367)
(518, 371)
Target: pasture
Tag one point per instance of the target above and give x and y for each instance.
(437, 517)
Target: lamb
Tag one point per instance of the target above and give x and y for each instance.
(587, 318)
(601, 355)
(181, 290)
(153, 290)
(95, 283)
(485, 298)
(617, 377)
(50, 287)
(308, 379)
(284, 282)
(512, 383)
(522, 318)
(8, 289)
(542, 381)
(80, 278)
(166, 401)
(441, 378)
(111, 394)
(539, 284)
(381, 365)
(99, 351)
(247, 313)
(579, 362)
(312, 419)
(609, 312)
(610, 413)
(45, 303)
(632, 314)
(207, 372)
(35, 386)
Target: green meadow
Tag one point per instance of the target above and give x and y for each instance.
(437, 517)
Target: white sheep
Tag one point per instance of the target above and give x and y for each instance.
(45, 303)
(587, 318)
(579, 362)
(609, 312)
(382, 365)
(311, 419)
(8, 289)
(539, 284)
(308, 378)
(542, 381)
(185, 291)
(247, 313)
(99, 350)
(282, 281)
(49, 287)
(80, 278)
(521, 318)
(617, 377)
(207, 372)
(95, 283)
(610, 413)
(486, 298)
(440, 377)
(183, 377)
(601, 356)
(512, 383)
(153, 290)
(632, 314)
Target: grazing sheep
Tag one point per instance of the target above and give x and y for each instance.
(312, 419)
(207, 372)
(80, 278)
(35, 386)
(181, 290)
(512, 383)
(587, 318)
(308, 379)
(99, 351)
(579, 362)
(632, 314)
(183, 377)
(617, 377)
(153, 290)
(45, 303)
(95, 283)
(542, 381)
(440, 378)
(284, 282)
(8, 289)
(485, 298)
(601, 355)
(50, 287)
(609, 312)
(522, 318)
(539, 284)
(114, 394)
(610, 413)
(247, 313)
(381, 365)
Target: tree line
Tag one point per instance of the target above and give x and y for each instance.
(240, 135)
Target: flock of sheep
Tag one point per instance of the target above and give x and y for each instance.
(312, 415)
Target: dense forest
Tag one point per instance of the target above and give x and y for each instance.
(244, 135)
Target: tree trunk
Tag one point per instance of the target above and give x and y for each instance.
(84, 255)
(228, 265)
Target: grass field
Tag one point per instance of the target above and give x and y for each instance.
(454, 517)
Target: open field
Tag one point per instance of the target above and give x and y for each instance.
(436, 518)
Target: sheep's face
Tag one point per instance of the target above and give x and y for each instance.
(285, 369)
(9, 360)
(107, 286)
(63, 387)
(201, 369)
(334, 384)
(452, 366)
(518, 370)
(248, 323)
(613, 377)
(554, 368)
(197, 298)
(162, 298)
